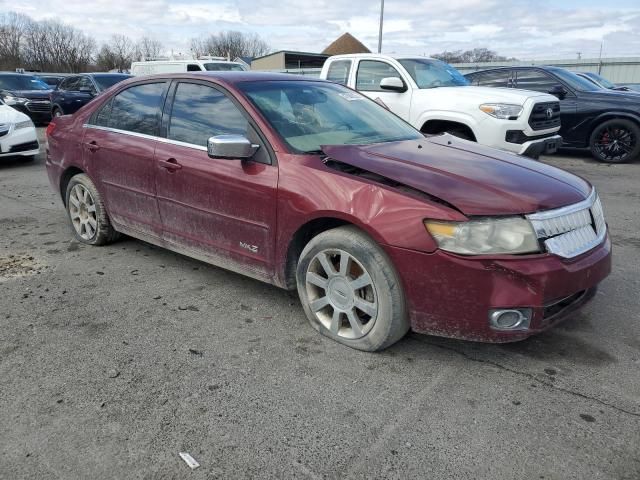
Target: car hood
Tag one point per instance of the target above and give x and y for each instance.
(474, 179)
(486, 94)
(30, 94)
(11, 115)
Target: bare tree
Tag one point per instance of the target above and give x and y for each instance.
(13, 27)
(148, 49)
(471, 56)
(230, 44)
(54, 46)
(117, 54)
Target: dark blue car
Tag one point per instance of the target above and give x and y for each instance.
(77, 90)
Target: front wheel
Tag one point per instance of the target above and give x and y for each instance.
(350, 291)
(57, 112)
(87, 214)
(615, 141)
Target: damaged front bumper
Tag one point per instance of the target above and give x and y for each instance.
(454, 296)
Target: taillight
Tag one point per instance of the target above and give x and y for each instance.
(50, 128)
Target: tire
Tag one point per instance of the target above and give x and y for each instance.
(87, 215)
(57, 112)
(333, 303)
(615, 141)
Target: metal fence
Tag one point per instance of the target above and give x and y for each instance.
(617, 70)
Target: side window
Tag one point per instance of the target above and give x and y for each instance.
(370, 72)
(101, 118)
(497, 78)
(536, 80)
(85, 82)
(339, 71)
(70, 83)
(200, 112)
(137, 109)
(193, 68)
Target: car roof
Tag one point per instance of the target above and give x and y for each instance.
(232, 77)
(379, 56)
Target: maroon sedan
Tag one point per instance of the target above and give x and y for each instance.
(306, 184)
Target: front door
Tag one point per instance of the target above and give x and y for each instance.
(119, 146)
(223, 209)
(369, 73)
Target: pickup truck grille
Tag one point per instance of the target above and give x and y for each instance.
(545, 115)
(573, 230)
(39, 106)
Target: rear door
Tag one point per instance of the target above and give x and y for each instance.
(119, 145)
(369, 73)
(220, 208)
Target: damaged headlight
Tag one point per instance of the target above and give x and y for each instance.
(503, 111)
(508, 235)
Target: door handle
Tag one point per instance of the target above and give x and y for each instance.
(93, 146)
(171, 164)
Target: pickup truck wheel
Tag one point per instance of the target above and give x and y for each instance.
(615, 141)
(88, 217)
(57, 112)
(350, 291)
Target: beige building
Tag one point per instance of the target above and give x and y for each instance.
(286, 59)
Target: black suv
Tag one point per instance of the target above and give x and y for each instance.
(26, 93)
(77, 90)
(606, 121)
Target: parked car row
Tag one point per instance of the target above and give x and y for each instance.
(604, 120)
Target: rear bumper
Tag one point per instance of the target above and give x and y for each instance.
(450, 295)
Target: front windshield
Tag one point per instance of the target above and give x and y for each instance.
(429, 73)
(308, 115)
(107, 81)
(575, 81)
(223, 67)
(22, 82)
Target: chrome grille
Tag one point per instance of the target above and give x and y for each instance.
(38, 106)
(573, 230)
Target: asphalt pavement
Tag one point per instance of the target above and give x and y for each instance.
(115, 359)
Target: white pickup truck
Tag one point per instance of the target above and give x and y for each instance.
(435, 98)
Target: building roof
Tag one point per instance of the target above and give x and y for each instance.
(346, 43)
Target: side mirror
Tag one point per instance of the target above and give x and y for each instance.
(558, 91)
(393, 83)
(231, 147)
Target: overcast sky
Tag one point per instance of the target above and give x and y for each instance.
(524, 29)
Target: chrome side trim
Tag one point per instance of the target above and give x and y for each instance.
(148, 137)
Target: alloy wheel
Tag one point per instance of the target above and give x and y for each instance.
(615, 143)
(341, 294)
(82, 210)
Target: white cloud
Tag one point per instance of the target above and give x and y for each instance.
(525, 29)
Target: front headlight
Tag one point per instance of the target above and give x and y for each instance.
(25, 124)
(13, 100)
(503, 111)
(487, 236)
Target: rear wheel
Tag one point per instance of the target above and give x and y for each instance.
(615, 141)
(87, 214)
(350, 291)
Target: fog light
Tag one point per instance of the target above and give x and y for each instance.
(510, 319)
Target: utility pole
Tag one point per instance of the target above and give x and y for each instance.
(600, 58)
(381, 20)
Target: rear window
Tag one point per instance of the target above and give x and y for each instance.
(137, 109)
(339, 71)
(107, 81)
